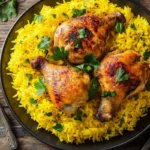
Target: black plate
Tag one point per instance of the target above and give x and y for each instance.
(20, 113)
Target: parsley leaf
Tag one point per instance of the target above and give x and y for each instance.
(29, 76)
(121, 122)
(8, 11)
(84, 67)
(77, 43)
(136, 97)
(77, 12)
(140, 38)
(91, 59)
(37, 36)
(44, 44)
(2, 2)
(38, 17)
(40, 86)
(120, 27)
(78, 116)
(94, 88)
(133, 26)
(53, 15)
(109, 131)
(58, 127)
(33, 101)
(65, 15)
(60, 53)
(146, 54)
(48, 114)
(109, 94)
(121, 75)
(27, 61)
(148, 86)
(82, 33)
(90, 63)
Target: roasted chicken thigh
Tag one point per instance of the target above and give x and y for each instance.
(84, 35)
(67, 88)
(121, 75)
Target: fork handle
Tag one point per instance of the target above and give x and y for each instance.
(9, 134)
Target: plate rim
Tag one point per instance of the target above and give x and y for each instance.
(12, 111)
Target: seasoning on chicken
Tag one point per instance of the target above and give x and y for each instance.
(67, 88)
(121, 75)
(84, 35)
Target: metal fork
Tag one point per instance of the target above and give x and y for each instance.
(146, 145)
(9, 134)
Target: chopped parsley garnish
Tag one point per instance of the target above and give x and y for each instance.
(82, 33)
(91, 59)
(84, 67)
(58, 127)
(121, 75)
(40, 86)
(77, 12)
(136, 97)
(77, 43)
(148, 86)
(121, 122)
(38, 17)
(109, 131)
(94, 88)
(60, 53)
(44, 44)
(146, 54)
(113, 93)
(27, 61)
(29, 76)
(34, 101)
(2, 2)
(53, 15)
(8, 11)
(65, 15)
(120, 27)
(90, 63)
(48, 114)
(37, 36)
(109, 94)
(133, 26)
(78, 116)
(140, 38)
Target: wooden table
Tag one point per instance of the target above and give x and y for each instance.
(26, 141)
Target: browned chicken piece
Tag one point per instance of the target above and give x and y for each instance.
(84, 35)
(121, 74)
(67, 88)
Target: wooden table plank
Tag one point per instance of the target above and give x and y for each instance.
(26, 141)
(146, 3)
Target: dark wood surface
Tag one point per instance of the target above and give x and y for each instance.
(26, 141)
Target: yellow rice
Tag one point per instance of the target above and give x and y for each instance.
(25, 47)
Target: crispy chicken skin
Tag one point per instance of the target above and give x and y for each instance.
(97, 30)
(137, 70)
(67, 88)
